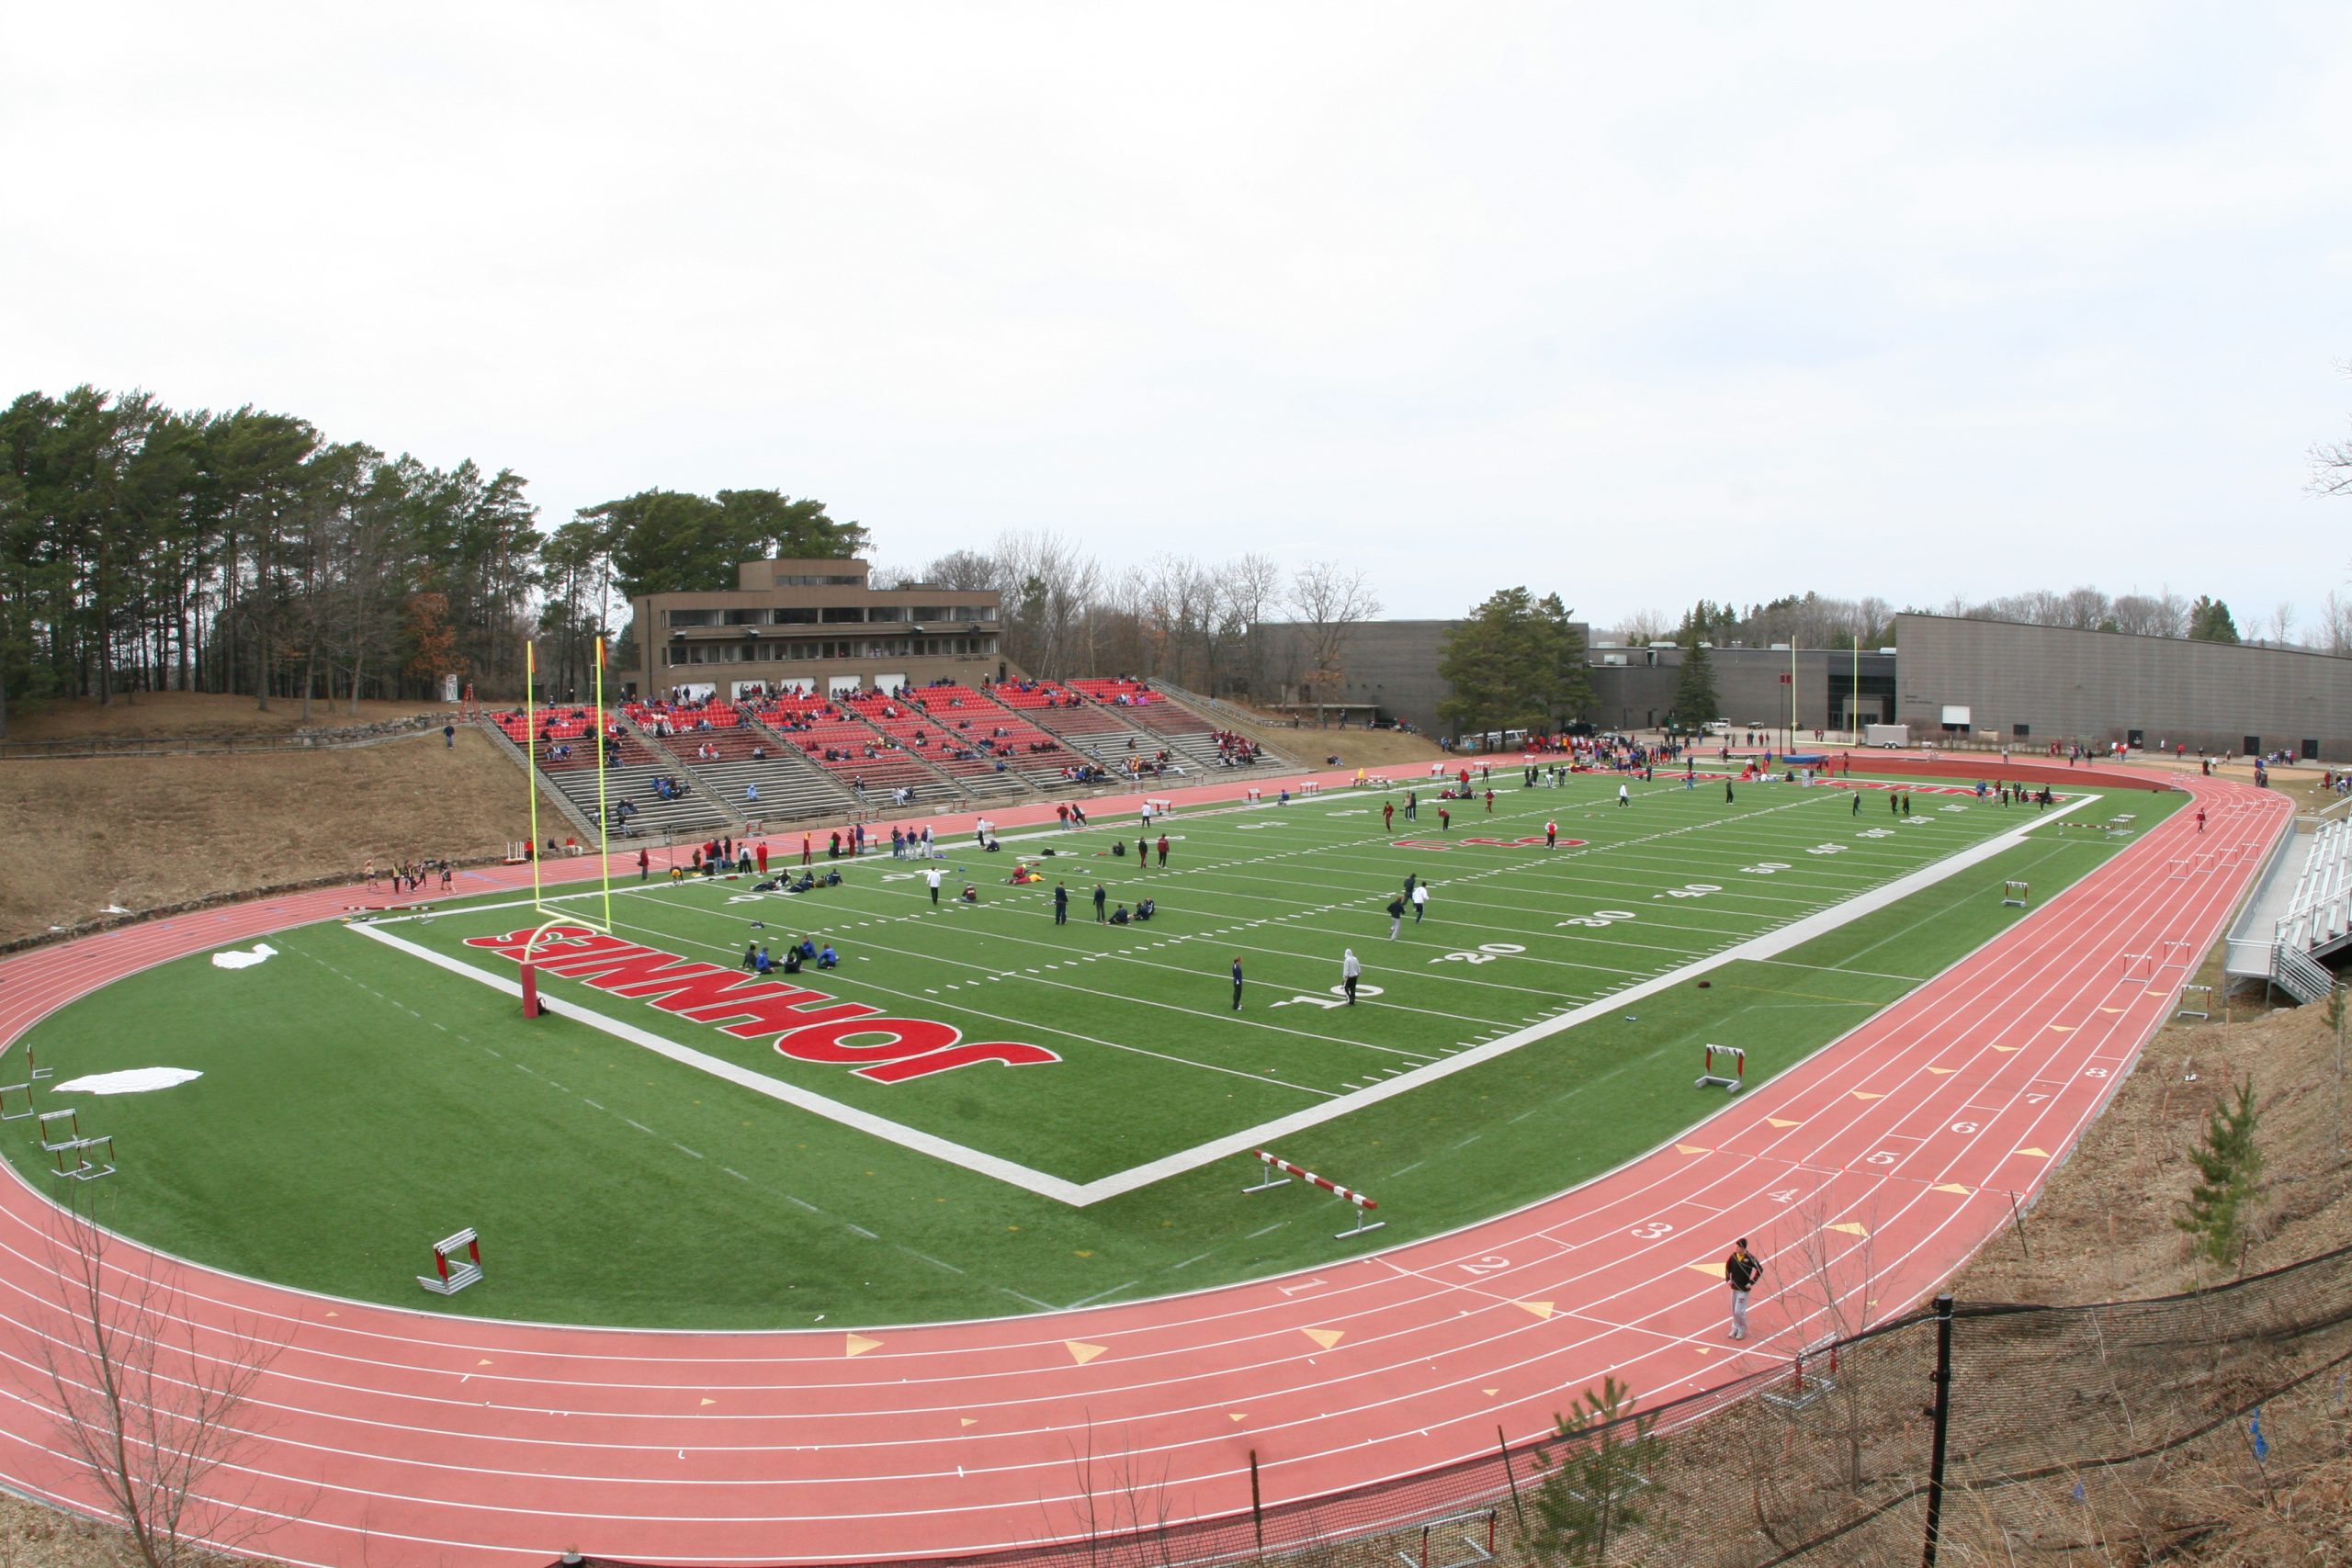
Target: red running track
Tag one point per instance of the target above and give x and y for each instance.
(391, 1437)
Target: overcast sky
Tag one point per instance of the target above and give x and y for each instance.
(1638, 303)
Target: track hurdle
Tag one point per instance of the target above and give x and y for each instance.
(1471, 1527)
(12, 1109)
(448, 1278)
(1273, 1163)
(1713, 1079)
(2015, 894)
(83, 1159)
(2181, 1008)
(1808, 1383)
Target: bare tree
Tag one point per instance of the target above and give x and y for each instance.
(146, 1407)
(1330, 602)
(2334, 633)
(2282, 623)
(964, 571)
(1645, 626)
(1246, 591)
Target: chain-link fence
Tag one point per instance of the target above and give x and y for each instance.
(2121, 1429)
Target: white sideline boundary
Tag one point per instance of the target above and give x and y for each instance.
(1083, 1194)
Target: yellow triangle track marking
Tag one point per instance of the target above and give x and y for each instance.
(2037, 1153)
(1776, 1122)
(1849, 1227)
(1865, 1094)
(1712, 1271)
(1950, 1187)
(1238, 1416)
(710, 1402)
(859, 1345)
(1082, 1352)
(2063, 1027)
(1541, 1309)
(1491, 1393)
(1327, 1337)
(1943, 1072)
(2005, 1050)
(1691, 1149)
(965, 1421)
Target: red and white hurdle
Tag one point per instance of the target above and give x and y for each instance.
(1735, 1080)
(1273, 1163)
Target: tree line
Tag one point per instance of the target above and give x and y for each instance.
(146, 549)
(1814, 620)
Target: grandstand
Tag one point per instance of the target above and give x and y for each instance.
(956, 744)
(564, 752)
(1183, 733)
(873, 766)
(727, 754)
(993, 728)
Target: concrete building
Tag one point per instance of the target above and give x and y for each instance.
(1389, 665)
(1634, 687)
(2030, 686)
(816, 624)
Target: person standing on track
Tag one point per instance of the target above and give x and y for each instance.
(1858, 805)
(1741, 1270)
(1395, 917)
(1551, 835)
(1237, 981)
(931, 880)
(1388, 815)
(2201, 818)
(1351, 971)
(644, 864)
(1624, 795)
(1163, 849)
(1100, 898)
(1421, 901)
(1061, 904)
(1143, 853)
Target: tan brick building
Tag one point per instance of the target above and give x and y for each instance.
(813, 624)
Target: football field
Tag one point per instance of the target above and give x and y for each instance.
(982, 1109)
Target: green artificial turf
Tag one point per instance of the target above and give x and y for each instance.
(358, 1102)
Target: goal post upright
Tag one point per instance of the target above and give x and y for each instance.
(603, 812)
(531, 757)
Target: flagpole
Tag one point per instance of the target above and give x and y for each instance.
(604, 816)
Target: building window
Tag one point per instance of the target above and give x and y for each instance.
(745, 617)
(834, 616)
(792, 617)
(690, 617)
(2020, 731)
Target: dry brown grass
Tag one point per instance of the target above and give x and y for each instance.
(149, 832)
(148, 715)
(1355, 748)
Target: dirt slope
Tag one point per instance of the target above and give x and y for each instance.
(148, 831)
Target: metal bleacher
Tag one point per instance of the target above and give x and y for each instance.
(872, 765)
(2319, 914)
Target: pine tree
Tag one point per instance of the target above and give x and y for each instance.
(1592, 1496)
(2209, 621)
(1694, 686)
(2229, 1168)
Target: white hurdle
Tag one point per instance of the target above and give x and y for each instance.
(1710, 1079)
(451, 1274)
(1275, 1163)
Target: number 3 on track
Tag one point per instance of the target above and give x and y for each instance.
(1650, 1230)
